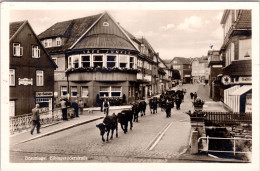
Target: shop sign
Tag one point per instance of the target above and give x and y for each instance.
(44, 94)
(245, 80)
(248, 103)
(25, 81)
(226, 80)
(186, 75)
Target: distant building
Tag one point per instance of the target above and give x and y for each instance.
(183, 65)
(31, 71)
(200, 70)
(236, 51)
(215, 64)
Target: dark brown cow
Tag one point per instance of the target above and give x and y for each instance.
(109, 123)
(124, 117)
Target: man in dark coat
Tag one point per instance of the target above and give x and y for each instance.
(168, 107)
(191, 95)
(76, 108)
(36, 119)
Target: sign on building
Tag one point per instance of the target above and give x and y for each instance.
(25, 81)
(248, 103)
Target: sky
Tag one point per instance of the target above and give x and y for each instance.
(172, 33)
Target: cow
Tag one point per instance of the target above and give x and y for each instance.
(142, 107)
(109, 123)
(135, 111)
(124, 117)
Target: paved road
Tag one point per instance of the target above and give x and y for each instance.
(154, 138)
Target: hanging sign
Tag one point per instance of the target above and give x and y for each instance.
(226, 80)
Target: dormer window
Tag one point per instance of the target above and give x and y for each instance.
(17, 49)
(58, 41)
(47, 43)
(35, 51)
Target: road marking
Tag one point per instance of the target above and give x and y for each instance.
(160, 137)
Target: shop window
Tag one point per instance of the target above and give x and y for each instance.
(123, 61)
(131, 62)
(85, 61)
(35, 51)
(116, 91)
(11, 77)
(17, 49)
(11, 108)
(73, 91)
(111, 61)
(98, 61)
(39, 78)
(63, 90)
(84, 91)
(104, 91)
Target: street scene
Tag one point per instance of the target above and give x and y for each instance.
(95, 88)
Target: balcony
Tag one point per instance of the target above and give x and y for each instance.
(102, 74)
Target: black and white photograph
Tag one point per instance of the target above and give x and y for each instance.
(95, 83)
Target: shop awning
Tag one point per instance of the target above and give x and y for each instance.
(241, 90)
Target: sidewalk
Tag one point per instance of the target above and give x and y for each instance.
(61, 125)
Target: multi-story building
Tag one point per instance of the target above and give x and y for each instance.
(215, 69)
(31, 71)
(236, 52)
(183, 65)
(165, 76)
(200, 70)
(98, 58)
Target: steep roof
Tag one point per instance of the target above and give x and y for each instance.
(146, 43)
(183, 60)
(14, 27)
(72, 30)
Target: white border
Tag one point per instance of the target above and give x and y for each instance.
(6, 7)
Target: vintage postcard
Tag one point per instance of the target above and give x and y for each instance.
(130, 85)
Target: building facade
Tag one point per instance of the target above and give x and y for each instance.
(200, 70)
(215, 64)
(183, 65)
(236, 52)
(31, 71)
(98, 59)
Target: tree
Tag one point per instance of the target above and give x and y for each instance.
(176, 74)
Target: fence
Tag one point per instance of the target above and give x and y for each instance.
(234, 144)
(19, 123)
(227, 118)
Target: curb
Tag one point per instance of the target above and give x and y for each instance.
(59, 130)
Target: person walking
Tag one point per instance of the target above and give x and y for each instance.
(76, 108)
(64, 109)
(36, 119)
(81, 106)
(191, 95)
(168, 107)
(106, 107)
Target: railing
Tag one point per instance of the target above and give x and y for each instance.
(234, 144)
(228, 118)
(19, 123)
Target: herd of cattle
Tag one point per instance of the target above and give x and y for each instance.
(110, 122)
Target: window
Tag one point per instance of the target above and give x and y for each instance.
(245, 49)
(17, 49)
(58, 41)
(39, 78)
(12, 108)
(35, 51)
(11, 77)
(116, 91)
(111, 61)
(75, 60)
(85, 61)
(98, 61)
(47, 43)
(63, 90)
(84, 91)
(73, 91)
(123, 61)
(104, 91)
(132, 62)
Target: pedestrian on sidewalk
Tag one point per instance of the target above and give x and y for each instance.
(195, 96)
(191, 95)
(36, 119)
(64, 109)
(168, 107)
(106, 107)
(75, 105)
(81, 106)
